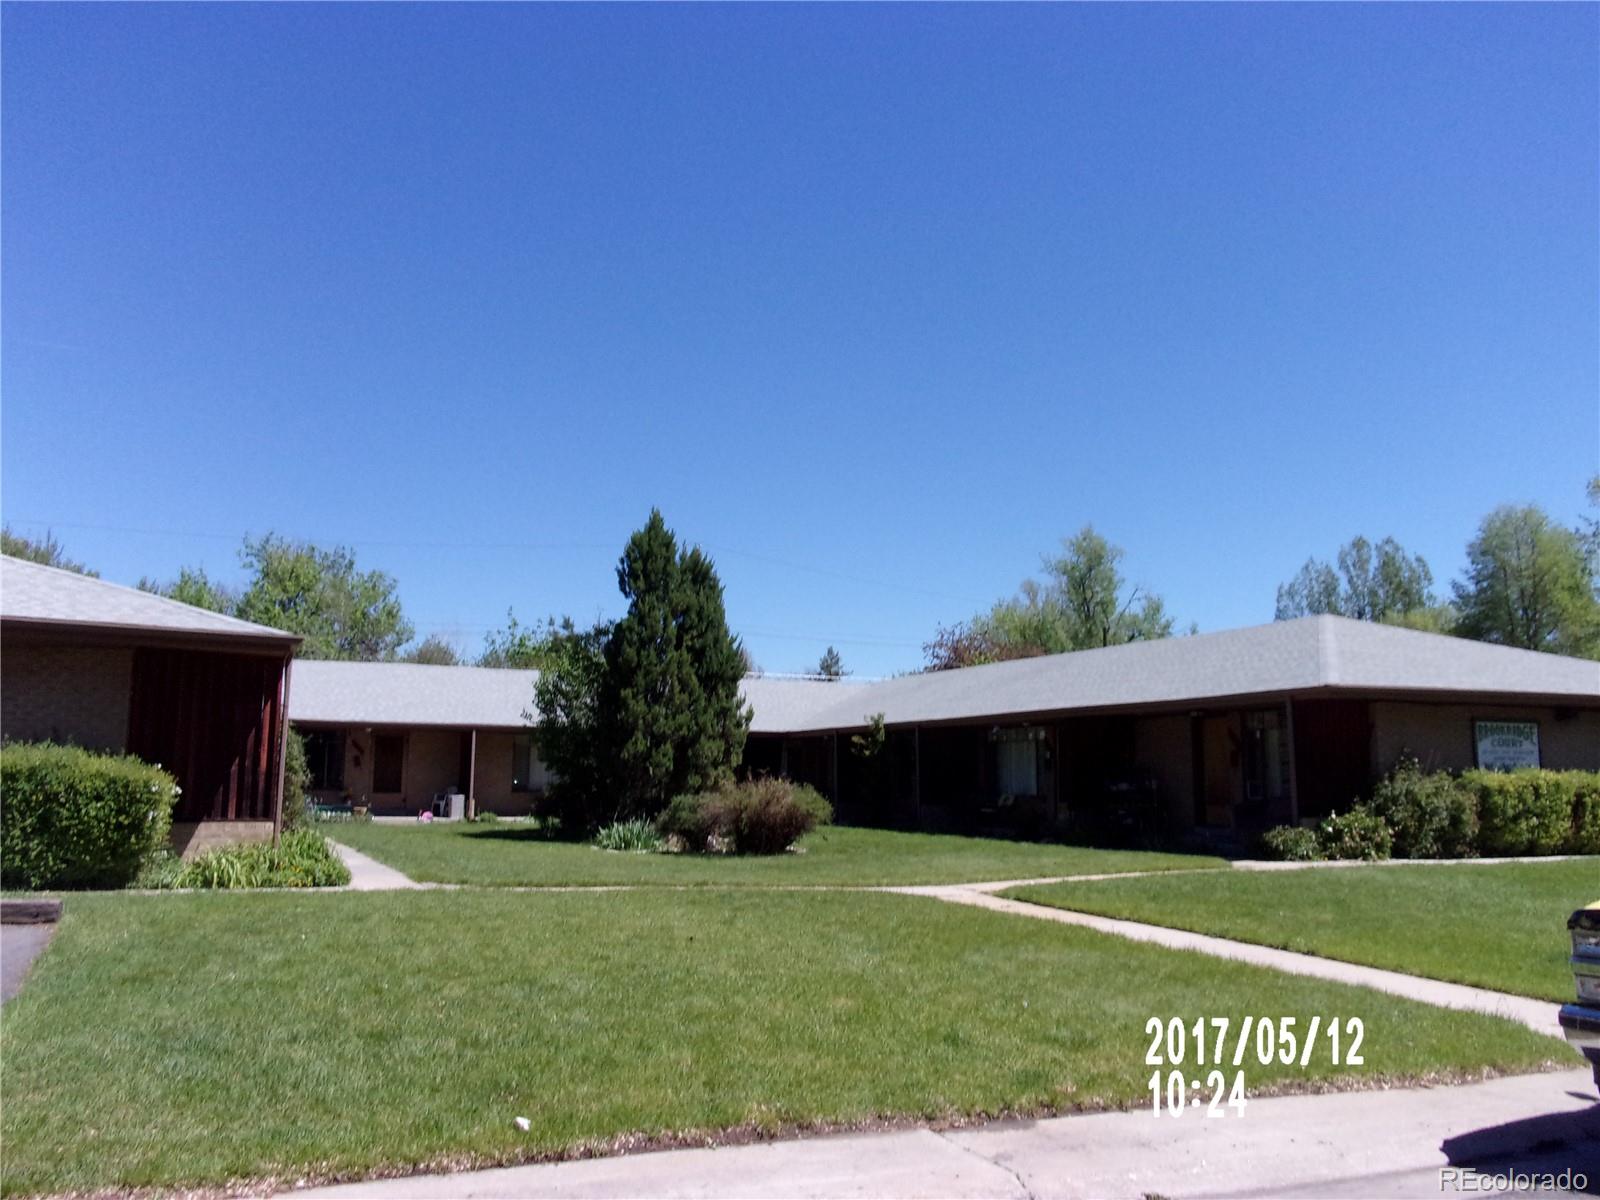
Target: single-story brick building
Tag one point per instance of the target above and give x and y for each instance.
(1210, 735)
(393, 736)
(1213, 734)
(113, 668)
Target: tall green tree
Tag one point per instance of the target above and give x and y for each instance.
(669, 714)
(46, 550)
(1082, 602)
(193, 586)
(717, 719)
(340, 611)
(1529, 583)
(1371, 583)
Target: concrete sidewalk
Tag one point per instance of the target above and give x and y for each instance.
(1537, 1015)
(369, 875)
(1390, 1143)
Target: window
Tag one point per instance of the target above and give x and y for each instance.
(1266, 757)
(1016, 762)
(522, 763)
(388, 763)
(325, 759)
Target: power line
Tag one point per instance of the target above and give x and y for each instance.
(439, 625)
(389, 543)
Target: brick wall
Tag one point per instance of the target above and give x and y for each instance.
(66, 694)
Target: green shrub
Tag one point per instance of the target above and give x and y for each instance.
(73, 819)
(1359, 833)
(160, 870)
(1291, 843)
(1585, 837)
(637, 836)
(1432, 814)
(301, 858)
(1522, 812)
(758, 816)
(485, 818)
(296, 781)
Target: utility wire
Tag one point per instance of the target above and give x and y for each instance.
(517, 545)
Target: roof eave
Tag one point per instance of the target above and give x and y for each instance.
(160, 636)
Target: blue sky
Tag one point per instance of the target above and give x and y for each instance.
(876, 303)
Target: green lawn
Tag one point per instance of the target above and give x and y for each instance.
(1500, 926)
(176, 1039)
(515, 854)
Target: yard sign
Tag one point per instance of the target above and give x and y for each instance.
(1506, 745)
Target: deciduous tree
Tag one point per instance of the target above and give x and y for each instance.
(1082, 602)
(1529, 583)
(340, 611)
(1372, 583)
(193, 586)
(434, 651)
(46, 550)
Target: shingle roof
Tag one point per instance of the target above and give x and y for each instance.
(781, 705)
(1307, 655)
(1303, 655)
(39, 594)
(382, 693)
(351, 693)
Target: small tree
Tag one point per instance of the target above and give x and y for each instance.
(868, 749)
(572, 734)
(524, 646)
(830, 665)
(46, 551)
(434, 651)
(1082, 602)
(193, 587)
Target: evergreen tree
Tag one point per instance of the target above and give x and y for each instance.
(830, 665)
(672, 719)
(716, 717)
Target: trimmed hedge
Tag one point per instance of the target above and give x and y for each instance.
(70, 818)
(759, 816)
(1521, 812)
(1439, 815)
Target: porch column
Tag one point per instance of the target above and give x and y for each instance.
(472, 776)
(916, 772)
(1294, 763)
(283, 747)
